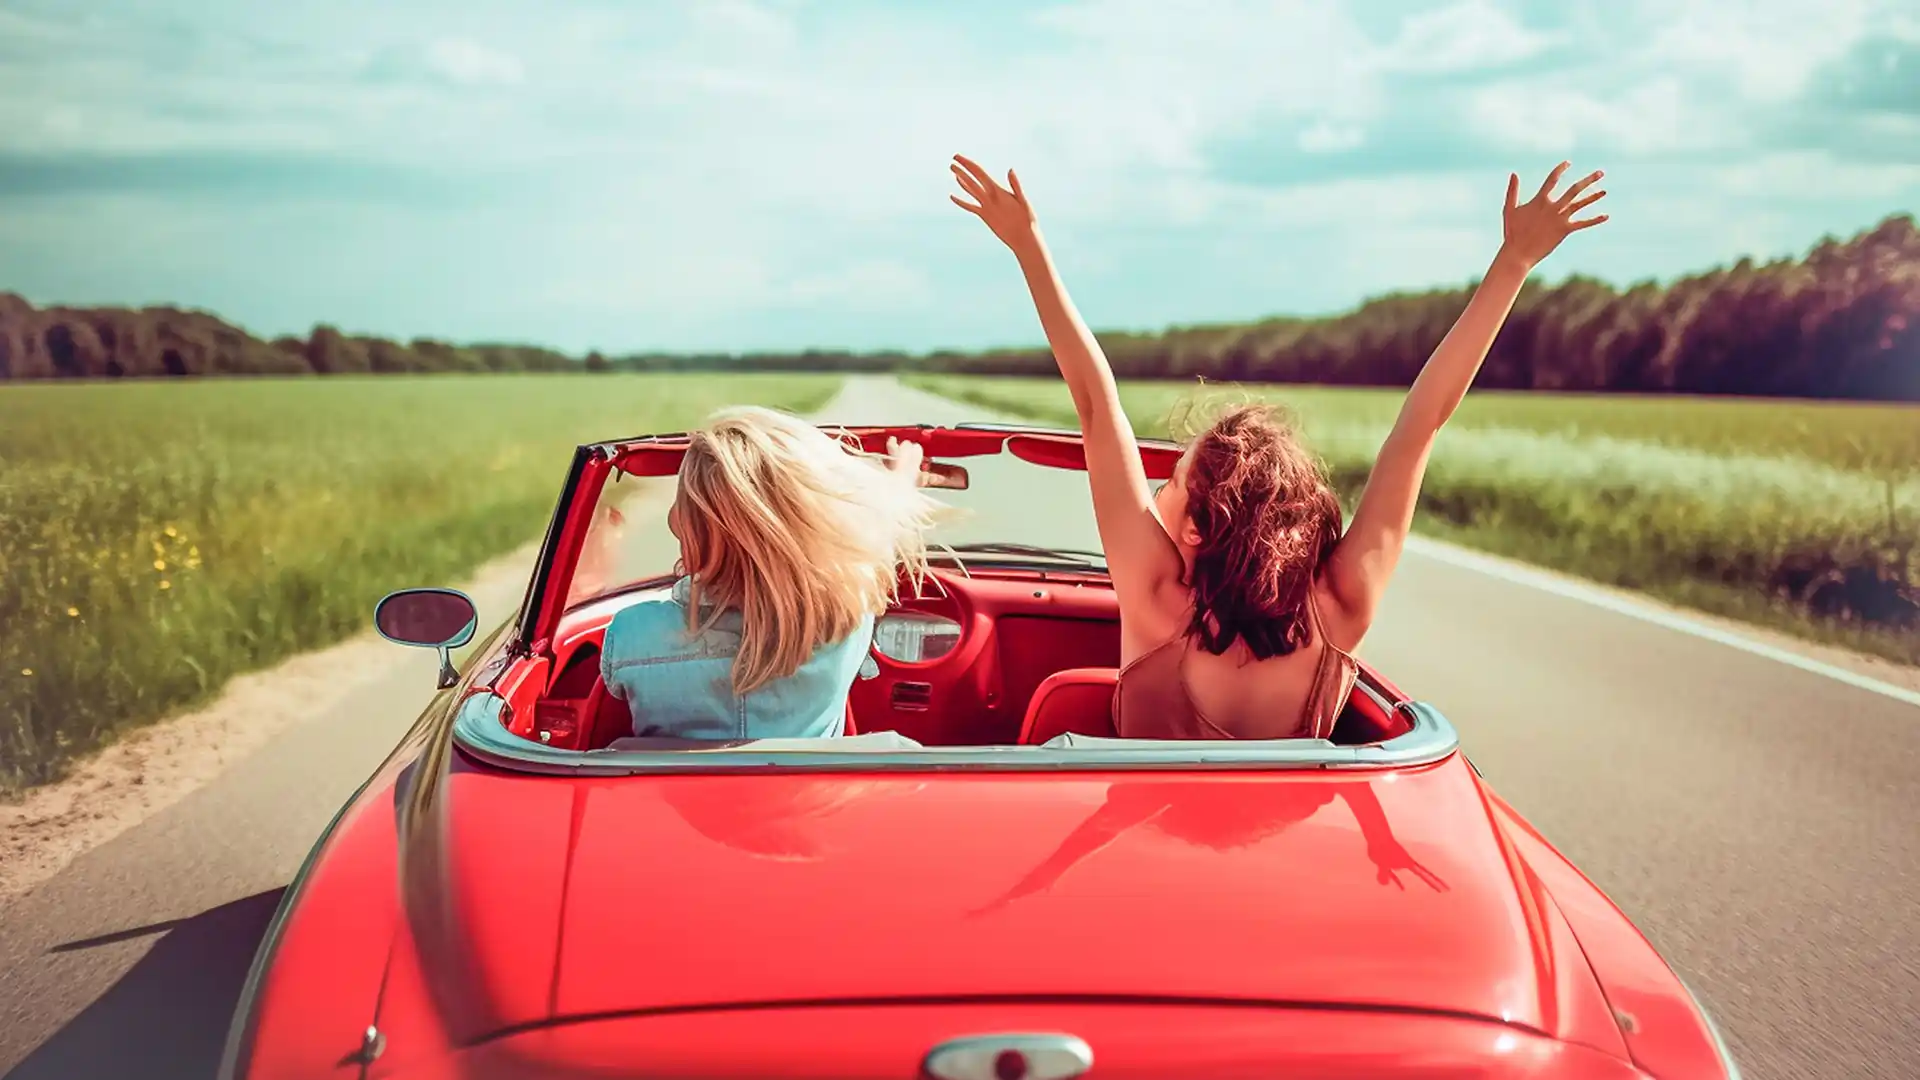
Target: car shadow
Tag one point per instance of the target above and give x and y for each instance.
(167, 1017)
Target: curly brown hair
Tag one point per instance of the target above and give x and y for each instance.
(1267, 518)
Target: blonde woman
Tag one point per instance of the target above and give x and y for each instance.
(791, 543)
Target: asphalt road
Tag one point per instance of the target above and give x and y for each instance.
(1761, 823)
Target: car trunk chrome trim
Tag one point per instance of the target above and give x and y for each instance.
(1009, 1057)
(478, 730)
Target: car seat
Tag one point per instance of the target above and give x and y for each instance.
(1077, 700)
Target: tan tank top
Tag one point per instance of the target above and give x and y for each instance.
(1151, 700)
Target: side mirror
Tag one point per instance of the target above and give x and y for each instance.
(939, 474)
(440, 619)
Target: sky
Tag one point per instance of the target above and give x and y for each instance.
(634, 175)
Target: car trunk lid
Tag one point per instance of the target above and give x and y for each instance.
(651, 894)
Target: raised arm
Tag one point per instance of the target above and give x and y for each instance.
(1144, 563)
(1361, 565)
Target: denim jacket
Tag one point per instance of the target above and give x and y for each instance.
(679, 684)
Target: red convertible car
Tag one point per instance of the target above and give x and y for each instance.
(977, 881)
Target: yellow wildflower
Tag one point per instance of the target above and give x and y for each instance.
(171, 531)
(159, 564)
(165, 584)
(26, 671)
(73, 613)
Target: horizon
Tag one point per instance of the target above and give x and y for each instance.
(1037, 342)
(770, 177)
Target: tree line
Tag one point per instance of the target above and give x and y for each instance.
(111, 343)
(1843, 321)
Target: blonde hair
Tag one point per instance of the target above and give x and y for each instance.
(799, 532)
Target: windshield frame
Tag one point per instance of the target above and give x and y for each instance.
(543, 604)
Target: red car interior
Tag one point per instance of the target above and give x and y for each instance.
(1037, 657)
(1073, 700)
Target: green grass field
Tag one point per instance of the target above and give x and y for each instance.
(1802, 516)
(157, 539)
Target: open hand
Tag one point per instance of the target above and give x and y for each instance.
(1004, 209)
(1534, 228)
(904, 458)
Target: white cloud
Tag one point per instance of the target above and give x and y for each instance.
(1767, 49)
(695, 163)
(1465, 36)
(24, 28)
(1324, 137)
(1101, 97)
(1804, 174)
(1108, 100)
(1686, 79)
(468, 63)
(1651, 117)
(1385, 204)
(745, 22)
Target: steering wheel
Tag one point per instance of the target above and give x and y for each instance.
(950, 693)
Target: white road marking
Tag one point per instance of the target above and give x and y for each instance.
(1646, 612)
